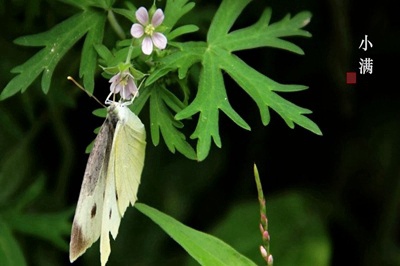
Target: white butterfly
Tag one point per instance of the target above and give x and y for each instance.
(110, 182)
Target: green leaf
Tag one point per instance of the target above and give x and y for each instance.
(30, 194)
(209, 100)
(205, 249)
(223, 20)
(140, 101)
(57, 42)
(189, 54)
(52, 227)
(294, 224)
(239, 227)
(100, 112)
(181, 31)
(163, 121)
(84, 4)
(261, 89)
(261, 34)
(89, 55)
(129, 14)
(104, 52)
(216, 55)
(11, 173)
(174, 10)
(10, 252)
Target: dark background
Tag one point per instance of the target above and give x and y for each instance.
(351, 172)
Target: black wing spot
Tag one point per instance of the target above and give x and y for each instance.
(109, 216)
(93, 211)
(116, 195)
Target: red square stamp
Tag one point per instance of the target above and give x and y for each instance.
(351, 77)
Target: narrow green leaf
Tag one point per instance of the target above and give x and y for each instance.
(205, 249)
(30, 194)
(11, 173)
(140, 101)
(290, 88)
(172, 101)
(10, 252)
(103, 52)
(52, 227)
(181, 31)
(129, 14)
(89, 56)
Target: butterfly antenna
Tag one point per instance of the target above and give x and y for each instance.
(82, 88)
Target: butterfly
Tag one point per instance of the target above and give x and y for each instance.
(110, 182)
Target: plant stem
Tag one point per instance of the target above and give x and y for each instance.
(115, 25)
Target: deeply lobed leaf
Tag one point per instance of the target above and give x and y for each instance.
(57, 42)
(162, 120)
(216, 55)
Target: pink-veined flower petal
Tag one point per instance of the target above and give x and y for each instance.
(158, 18)
(159, 40)
(115, 80)
(131, 86)
(142, 16)
(125, 94)
(112, 87)
(137, 30)
(115, 88)
(147, 45)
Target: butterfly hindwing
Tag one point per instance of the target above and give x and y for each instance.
(130, 144)
(111, 217)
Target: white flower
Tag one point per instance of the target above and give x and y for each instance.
(147, 29)
(124, 84)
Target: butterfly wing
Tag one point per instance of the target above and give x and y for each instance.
(86, 226)
(130, 146)
(123, 175)
(111, 218)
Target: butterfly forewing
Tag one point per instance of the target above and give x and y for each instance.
(86, 226)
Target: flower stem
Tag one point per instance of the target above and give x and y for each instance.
(115, 25)
(264, 249)
(128, 57)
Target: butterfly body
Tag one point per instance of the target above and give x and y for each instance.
(110, 182)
